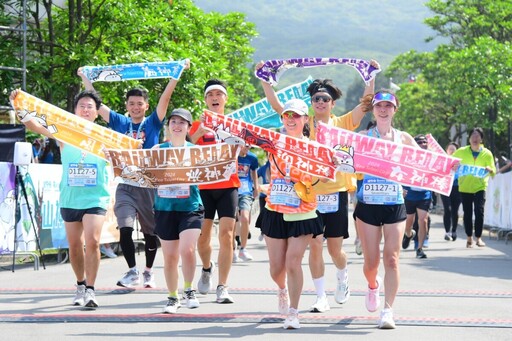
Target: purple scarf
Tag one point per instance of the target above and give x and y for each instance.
(272, 70)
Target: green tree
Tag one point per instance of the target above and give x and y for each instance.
(100, 32)
(464, 84)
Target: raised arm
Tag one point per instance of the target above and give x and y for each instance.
(270, 93)
(165, 98)
(357, 112)
(104, 110)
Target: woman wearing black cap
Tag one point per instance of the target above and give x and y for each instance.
(179, 215)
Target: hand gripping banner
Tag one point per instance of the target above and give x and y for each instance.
(272, 70)
(125, 72)
(193, 165)
(69, 128)
(404, 164)
(308, 156)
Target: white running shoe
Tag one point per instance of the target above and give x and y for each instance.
(223, 295)
(342, 293)
(79, 295)
(172, 305)
(205, 283)
(321, 305)
(130, 279)
(386, 319)
(90, 299)
(236, 259)
(107, 251)
(149, 279)
(244, 255)
(190, 299)
(292, 320)
(359, 247)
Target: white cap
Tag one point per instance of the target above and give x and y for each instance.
(297, 106)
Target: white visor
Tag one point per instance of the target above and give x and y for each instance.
(216, 87)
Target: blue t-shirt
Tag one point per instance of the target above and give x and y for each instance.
(246, 164)
(264, 174)
(417, 194)
(190, 203)
(84, 181)
(148, 130)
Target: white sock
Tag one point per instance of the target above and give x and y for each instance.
(342, 274)
(319, 286)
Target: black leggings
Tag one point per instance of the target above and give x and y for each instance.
(128, 247)
(451, 210)
(478, 201)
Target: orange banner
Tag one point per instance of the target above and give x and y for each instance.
(69, 128)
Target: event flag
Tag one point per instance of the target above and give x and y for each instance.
(308, 156)
(69, 128)
(433, 145)
(404, 164)
(189, 165)
(262, 114)
(272, 70)
(125, 72)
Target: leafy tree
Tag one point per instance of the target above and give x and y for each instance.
(464, 84)
(100, 32)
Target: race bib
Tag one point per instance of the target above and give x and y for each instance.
(282, 193)
(174, 192)
(380, 191)
(327, 203)
(82, 174)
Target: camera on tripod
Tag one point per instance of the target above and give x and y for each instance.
(22, 154)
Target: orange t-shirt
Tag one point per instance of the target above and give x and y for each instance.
(207, 139)
(296, 175)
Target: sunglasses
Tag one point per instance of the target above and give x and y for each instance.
(325, 99)
(422, 142)
(290, 114)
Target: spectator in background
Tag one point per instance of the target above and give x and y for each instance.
(451, 203)
(417, 202)
(247, 193)
(472, 188)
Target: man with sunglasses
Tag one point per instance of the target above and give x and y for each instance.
(324, 94)
(417, 203)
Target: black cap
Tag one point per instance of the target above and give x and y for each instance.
(183, 113)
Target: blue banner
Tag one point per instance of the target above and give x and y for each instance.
(261, 113)
(124, 72)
